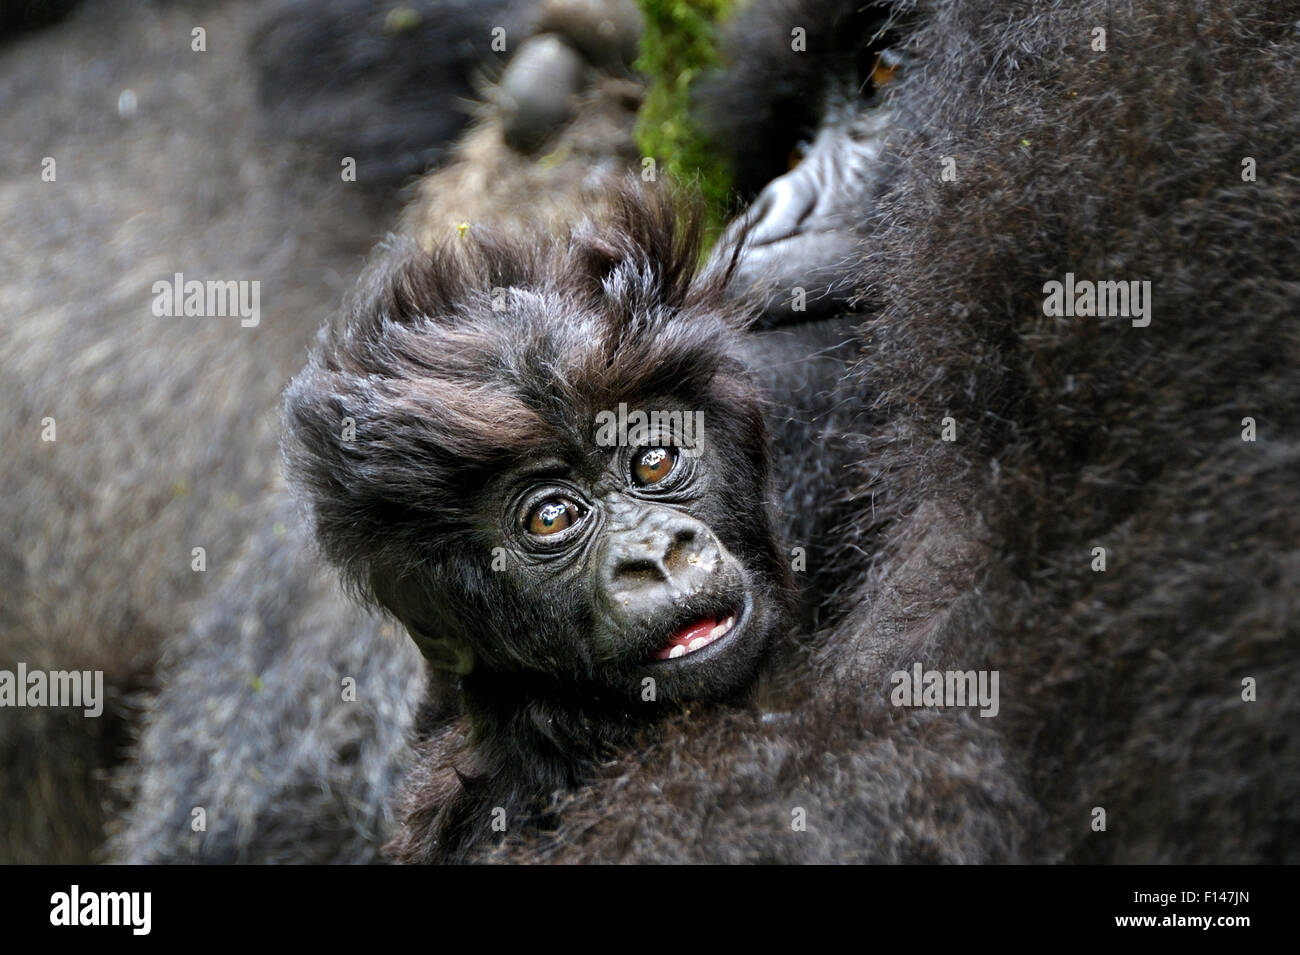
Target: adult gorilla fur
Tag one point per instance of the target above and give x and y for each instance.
(1121, 689)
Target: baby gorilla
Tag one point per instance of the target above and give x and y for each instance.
(456, 436)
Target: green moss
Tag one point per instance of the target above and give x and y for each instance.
(679, 45)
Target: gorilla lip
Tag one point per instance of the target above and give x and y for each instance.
(696, 636)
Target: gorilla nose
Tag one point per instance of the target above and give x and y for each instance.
(664, 553)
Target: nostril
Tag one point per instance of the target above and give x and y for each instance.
(637, 571)
(674, 551)
(682, 551)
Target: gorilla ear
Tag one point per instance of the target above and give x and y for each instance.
(444, 653)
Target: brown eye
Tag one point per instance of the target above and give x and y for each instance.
(653, 465)
(886, 68)
(553, 516)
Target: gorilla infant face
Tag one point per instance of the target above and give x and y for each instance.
(628, 563)
(557, 470)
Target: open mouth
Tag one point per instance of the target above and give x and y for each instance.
(697, 635)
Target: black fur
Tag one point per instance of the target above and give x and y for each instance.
(389, 86)
(769, 99)
(1121, 689)
(450, 389)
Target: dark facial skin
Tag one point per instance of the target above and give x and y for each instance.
(796, 232)
(630, 533)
